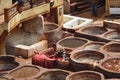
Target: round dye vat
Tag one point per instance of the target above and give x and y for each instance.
(70, 43)
(7, 63)
(25, 72)
(85, 75)
(87, 59)
(112, 35)
(93, 46)
(54, 75)
(94, 30)
(112, 65)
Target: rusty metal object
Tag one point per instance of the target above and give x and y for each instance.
(53, 74)
(86, 75)
(86, 59)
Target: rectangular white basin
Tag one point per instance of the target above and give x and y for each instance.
(72, 22)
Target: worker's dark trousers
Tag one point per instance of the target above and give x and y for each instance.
(94, 9)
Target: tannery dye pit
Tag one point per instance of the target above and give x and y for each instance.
(25, 72)
(93, 30)
(112, 35)
(53, 75)
(87, 56)
(85, 75)
(112, 65)
(87, 59)
(7, 63)
(112, 48)
(93, 46)
(72, 42)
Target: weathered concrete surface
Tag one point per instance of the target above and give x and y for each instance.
(5, 4)
(34, 25)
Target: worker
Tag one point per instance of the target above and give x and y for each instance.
(20, 2)
(94, 7)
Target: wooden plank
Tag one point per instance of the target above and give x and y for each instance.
(27, 15)
(114, 3)
(42, 9)
(11, 12)
(107, 7)
(16, 20)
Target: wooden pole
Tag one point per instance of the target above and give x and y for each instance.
(107, 7)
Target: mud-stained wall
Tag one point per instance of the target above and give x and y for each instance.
(5, 4)
(3, 34)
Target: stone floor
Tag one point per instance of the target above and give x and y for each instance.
(97, 20)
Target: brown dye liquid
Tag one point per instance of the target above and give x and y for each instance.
(25, 72)
(3, 62)
(90, 60)
(93, 47)
(72, 43)
(86, 77)
(112, 65)
(94, 31)
(53, 76)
